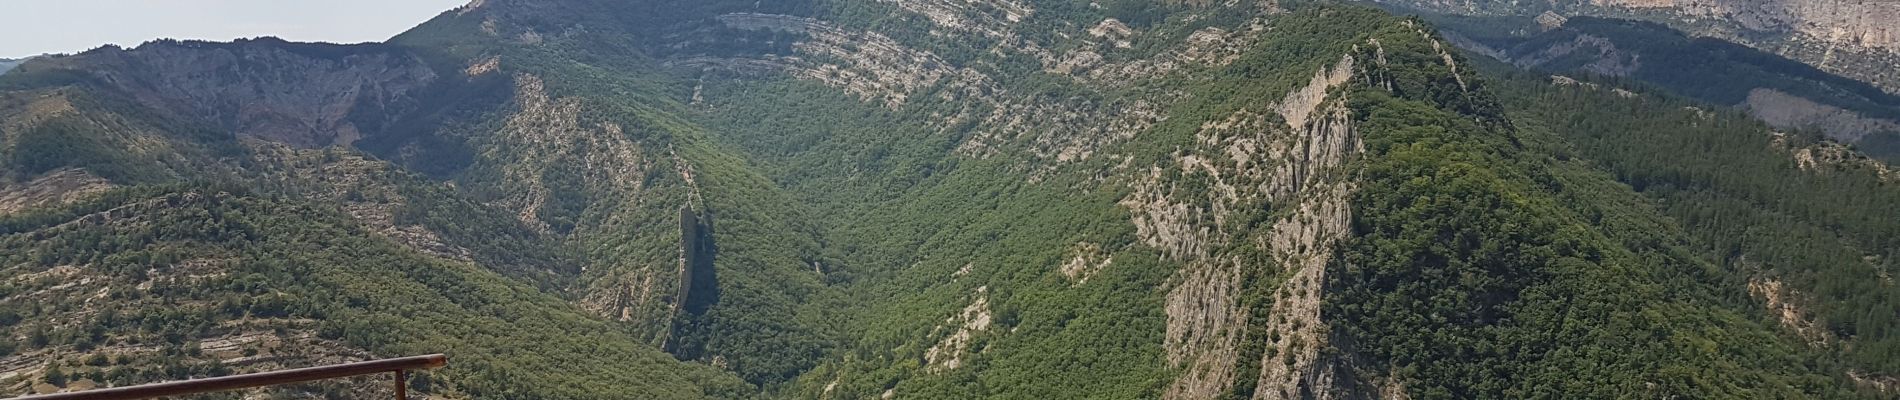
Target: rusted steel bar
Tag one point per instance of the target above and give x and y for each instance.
(233, 382)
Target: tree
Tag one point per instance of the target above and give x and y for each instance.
(55, 376)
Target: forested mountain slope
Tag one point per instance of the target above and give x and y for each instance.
(1801, 221)
(1853, 38)
(1785, 93)
(921, 199)
(162, 283)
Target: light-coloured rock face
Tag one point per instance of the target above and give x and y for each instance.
(1788, 111)
(483, 67)
(1251, 162)
(1085, 260)
(876, 68)
(1089, 64)
(299, 94)
(1114, 31)
(1550, 20)
(1165, 222)
(1784, 304)
(1828, 157)
(1205, 327)
(1561, 80)
(986, 17)
(867, 64)
(975, 319)
(1883, 383)
(1303, 244)
(1300, 104)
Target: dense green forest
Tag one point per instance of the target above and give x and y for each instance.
(1708, 69)
(1747, 203)
(1483, 256)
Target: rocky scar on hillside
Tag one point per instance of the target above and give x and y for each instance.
(1789, 111)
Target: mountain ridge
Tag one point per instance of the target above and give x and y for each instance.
(1786, 93)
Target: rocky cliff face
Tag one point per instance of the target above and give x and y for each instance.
(1255, 162)
(1853, 38)
(306, 95)
(1789, 111)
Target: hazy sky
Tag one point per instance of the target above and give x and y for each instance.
(31, 27)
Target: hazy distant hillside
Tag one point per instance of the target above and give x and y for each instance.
(1785, 93)
(1854, 38)
(834, 199)
(7, 64)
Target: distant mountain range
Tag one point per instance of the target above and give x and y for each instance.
(1853, 38)
(1786, 93)
(8, 64)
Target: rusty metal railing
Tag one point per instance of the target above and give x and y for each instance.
(399, 366)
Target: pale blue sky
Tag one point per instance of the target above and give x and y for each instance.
(31, 27)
